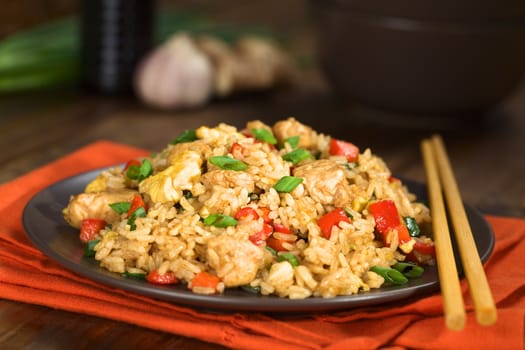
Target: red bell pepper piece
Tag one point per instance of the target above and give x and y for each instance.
(166, 278)
(246, 213)
(90, 228)
(280, 228)
(136, 203)
(343, 148)
(237, 150)
(260, 237)
(424, 247)
(205, 280)
(331, 219)
(276, 244)
(265, 214)
(393, 179)
(385, 214)
(387, 218)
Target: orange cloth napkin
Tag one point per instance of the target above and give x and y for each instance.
(26, 275)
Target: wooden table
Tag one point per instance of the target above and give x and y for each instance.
(487, 155)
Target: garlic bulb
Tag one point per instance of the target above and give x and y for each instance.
(175, 75)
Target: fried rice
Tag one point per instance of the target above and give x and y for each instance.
(252, 208)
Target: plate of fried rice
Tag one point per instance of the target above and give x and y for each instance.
(263, 218)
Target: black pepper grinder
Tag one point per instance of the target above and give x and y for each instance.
(116, 34)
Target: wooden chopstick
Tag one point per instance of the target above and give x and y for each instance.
(435, 154)
(484, 306)
(453, 306)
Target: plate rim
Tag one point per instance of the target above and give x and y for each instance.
(231, 300)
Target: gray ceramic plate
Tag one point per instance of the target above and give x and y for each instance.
(43, 222)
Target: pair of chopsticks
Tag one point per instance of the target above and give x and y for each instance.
(441, 180)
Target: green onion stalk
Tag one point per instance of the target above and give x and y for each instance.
(49, 54)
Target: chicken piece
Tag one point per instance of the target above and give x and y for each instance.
(281, 277)
(235, 261)
(221, 135)
(325, 181)
(291, 127)
(168, 184)
(198, 146)
(95, 205)
(229, 179)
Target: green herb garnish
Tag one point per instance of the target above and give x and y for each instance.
(348, 214)
(412, 226)
(220, 220)
(390, 275)
(120, 207)
(350, 166)
(408, 269)
(135, 276)
(141, 172)
(297, 155)
(287, 184)
(185, 136)
(140, 212)
(264, 136)
(89, 249)
(291, 258)
(271, 250)
(228, 163)
(293, 141)
(250, 289)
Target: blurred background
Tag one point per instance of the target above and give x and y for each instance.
(445, 58)
(66, 22)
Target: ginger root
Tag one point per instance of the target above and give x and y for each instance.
(252, 64)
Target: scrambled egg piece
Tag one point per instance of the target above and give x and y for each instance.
(168, 184)
(97, 185)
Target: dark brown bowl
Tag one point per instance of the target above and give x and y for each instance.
(409, 58)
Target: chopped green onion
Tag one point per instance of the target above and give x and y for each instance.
(297, 155)
(220, 220)
(390, 275)
(408, 269)
(135, 276)
(264, 136)
(135, 172)
(347, 213)
(120, 207)
(350, 166)
(140, 212)
(185, 136)
(271, 250)
(290, 257)
(293, 141)
(250, 289)
(287, 184)
(412, 226)
(187, 194)
(228, 163)
(89, 249)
